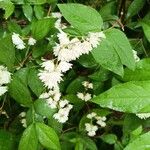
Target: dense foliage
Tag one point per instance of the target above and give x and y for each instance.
(74, 74)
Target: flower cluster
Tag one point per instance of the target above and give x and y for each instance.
(65, 51)
(23, 119)
(90, 128)
(52, 72)
(19, 43)
(85, 96)
(70, 49)
(53, 99)
(5, 78)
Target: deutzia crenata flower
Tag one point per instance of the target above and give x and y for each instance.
(143, 115)
(71, 49)
(63, 103)
(44, 95)
(23, 119)
(91, 115)
(50, 76)
(50, 79)
(48, 65)
(24, 122)
(52, 103)
(3, 89)
(101, 121)
(5, 76)
(17, 41)
(31, 41)
(58, 23)
(87, 85)
(135, 56)
(64, 66)
(56, 15)
(91, 129)
(85, 97)
(95, 38)
(63, 38)
(61, 116)
(22, 114)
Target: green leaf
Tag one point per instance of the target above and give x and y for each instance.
(81, 17)
(113, 53)
(135, 7)
(87, 143)
(22, 74)
(41, 27)
(19, 91)
(39, 11)
(42, 108)
(29, 139)
(141, 72)
(6, 141)
(131, 122)
(37, 2)
(146, 28)
(8, 6)
(14, 27)
(75, 86)
(47, 136)
(140, 143)
(87, 61)
(108, 10)
(123, 97)
(28, 11)
(57, 126)
(7, 52)
(34, 82)
(109, 138)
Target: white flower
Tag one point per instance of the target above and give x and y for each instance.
(50, 79)
(143, 115)
(91, 129)
(135, 56)
(80, 95)
(61, 116)
(90, 86)
(64, 66)
(101, 121)
(44, 95)
(91, 115)
(22, 114)
(95, 38)
(48, 65)
(3, 89)
(87, 84)
(56, 15)
(52, 103)
(85, 97)
(20, 46)
(63, 38)
(31, 41)
(17, 41)
(63, 103)
(57, 96)
(86, 47)
(5, 76)
(24, 122)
